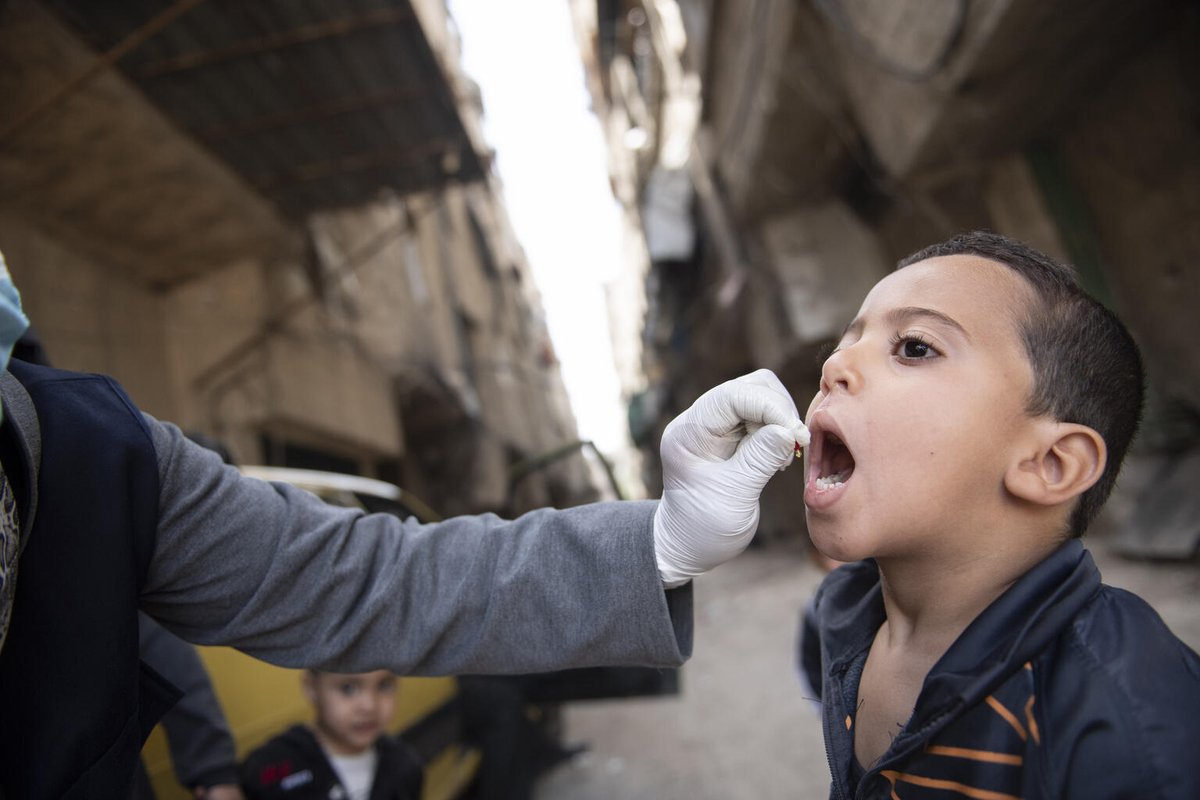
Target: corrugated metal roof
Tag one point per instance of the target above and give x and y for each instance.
(316, 105)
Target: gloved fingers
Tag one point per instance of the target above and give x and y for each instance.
(714, 425)
(765, 377)
(755, 399)
(799, 434)
(767, 451)
(684, 438)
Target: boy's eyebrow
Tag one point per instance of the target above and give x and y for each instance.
(899, 315)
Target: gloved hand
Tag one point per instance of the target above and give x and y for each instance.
(717, 456)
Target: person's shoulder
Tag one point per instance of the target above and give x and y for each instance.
(1120, 688)
(281, 760)
(1123, 632)
(32, 375)
(55, 389)
(296, 739)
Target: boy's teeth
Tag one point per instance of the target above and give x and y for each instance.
(829, 481)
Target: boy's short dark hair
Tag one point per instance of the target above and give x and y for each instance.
(1086, 365)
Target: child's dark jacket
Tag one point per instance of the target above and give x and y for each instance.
(292, 766)
(1062, 688)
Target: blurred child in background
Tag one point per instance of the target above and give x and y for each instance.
(346, 753)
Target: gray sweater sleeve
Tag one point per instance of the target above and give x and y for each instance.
(275, 572)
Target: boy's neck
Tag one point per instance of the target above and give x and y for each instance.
(929, 602)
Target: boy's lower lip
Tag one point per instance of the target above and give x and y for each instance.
(820, 498)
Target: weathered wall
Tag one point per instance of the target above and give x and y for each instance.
(438, 297)
(91, 317)
(1135, 158)
(948, 84)
(325, 384)
(777, 120)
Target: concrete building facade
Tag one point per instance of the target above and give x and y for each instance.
(278, 226)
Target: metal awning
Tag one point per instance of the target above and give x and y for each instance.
(316, 105)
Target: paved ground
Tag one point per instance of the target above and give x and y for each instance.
(740, 729)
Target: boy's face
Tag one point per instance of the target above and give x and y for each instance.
(919, 413)
(352, 711)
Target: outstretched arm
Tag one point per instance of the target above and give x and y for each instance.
(272, 570)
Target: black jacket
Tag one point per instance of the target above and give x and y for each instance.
(75, 703)
(292, 766)
(1062, 688)
(203, 752)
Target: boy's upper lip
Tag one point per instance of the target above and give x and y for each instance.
(821, 422)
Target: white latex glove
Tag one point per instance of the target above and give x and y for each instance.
(717, 456)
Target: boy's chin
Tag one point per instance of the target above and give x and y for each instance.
(832, 547)
(825, 552)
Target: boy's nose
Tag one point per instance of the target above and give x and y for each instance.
(377, 701)
(839, 372)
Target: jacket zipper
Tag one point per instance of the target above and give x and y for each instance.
(919, 738)
(834, 782)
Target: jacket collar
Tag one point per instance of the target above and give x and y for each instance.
(1010, 632)
(1017, 626)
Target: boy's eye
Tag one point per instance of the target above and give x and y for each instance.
(913, 348)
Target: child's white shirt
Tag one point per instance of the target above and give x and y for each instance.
(356, 773)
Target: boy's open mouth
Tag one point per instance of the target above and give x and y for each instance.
(834, 462)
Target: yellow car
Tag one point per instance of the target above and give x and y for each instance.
(261, 700)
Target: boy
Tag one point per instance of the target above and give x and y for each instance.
(346, 754)
(968, 427)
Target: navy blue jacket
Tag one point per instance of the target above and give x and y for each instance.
(1062, 688)
(73, 726)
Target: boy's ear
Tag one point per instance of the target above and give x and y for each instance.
(1067, 460)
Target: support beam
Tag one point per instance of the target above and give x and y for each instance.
(398, 157)
(346, 105)
(326, 29)
(123, 48)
